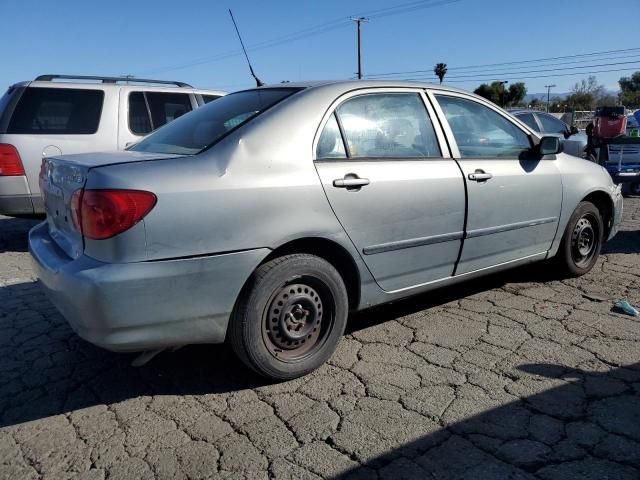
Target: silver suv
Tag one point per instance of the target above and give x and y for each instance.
(61, 114)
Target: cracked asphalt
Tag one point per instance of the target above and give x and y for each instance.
(514, 376)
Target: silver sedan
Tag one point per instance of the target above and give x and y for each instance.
(265, 217)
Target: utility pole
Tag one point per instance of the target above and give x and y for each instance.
(503, 83)
(548, 87)
(358, 21)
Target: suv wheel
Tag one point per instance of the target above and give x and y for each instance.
(291, 316)
(582, 240)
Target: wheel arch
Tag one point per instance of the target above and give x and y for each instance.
(603, 202)
(332, 252)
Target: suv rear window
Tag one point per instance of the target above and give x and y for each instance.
(203, 127)
(59, 111)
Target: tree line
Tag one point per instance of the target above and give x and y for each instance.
(585, 95)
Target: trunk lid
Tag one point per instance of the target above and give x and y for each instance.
(60, 177)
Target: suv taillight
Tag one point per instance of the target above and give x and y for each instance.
(101, 214)
(10, 163)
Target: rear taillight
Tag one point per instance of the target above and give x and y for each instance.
(10, 163)
(101, 214)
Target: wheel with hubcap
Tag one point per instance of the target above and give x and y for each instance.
(582, 240)
(290, 316)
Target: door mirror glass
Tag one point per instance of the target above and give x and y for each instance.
(549, 146)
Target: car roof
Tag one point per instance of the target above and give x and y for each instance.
(515, 111)
(352, 84)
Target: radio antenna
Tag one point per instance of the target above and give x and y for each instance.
(258, 81)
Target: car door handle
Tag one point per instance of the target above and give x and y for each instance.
(350, 181)
(479, 176)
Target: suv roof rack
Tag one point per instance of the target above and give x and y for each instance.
(50, 77)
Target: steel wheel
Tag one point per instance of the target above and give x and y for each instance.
(584, 240)
(298, 317)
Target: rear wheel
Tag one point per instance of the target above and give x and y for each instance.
(582, 240)
(291, 316)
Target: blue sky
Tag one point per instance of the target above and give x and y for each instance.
(181, 40)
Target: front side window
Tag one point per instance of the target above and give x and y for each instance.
(383, 125)
(151, 110)
(195, 131)
(481, 132)
(57, 111)
(551, 124)
(210, 98)
(330, 144)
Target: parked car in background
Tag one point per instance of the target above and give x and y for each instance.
(264, 217)
(61, 114)
(574, 141)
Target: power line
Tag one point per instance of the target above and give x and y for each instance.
(515, 69)
(538, 60)
(311, 31)
(546, 76)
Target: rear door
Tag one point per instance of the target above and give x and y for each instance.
(514, 199)
(400, 197)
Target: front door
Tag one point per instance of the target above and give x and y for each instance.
(514, 199)
(398, 197)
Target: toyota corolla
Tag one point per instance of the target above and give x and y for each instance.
(265, 217)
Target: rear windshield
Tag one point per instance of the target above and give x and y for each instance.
(59, 111)
(195, 131)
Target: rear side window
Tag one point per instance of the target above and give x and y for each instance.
(388, 125)
(330, 142)
(151, 110)
(203, 127)
(529, 120)
(551, 124)
(61, 111)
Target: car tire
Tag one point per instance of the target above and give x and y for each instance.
(290, 317)
(582, 240)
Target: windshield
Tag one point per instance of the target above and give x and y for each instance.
(197, 130)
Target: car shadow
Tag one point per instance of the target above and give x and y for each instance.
(586, 426)
(625, 241)
(46, 369)
(14, 232)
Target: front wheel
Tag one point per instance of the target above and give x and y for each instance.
(290, 317)
(582, 240)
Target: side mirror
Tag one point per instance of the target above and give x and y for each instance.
(549, 146)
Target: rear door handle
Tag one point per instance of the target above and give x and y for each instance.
(351, 181)
(479, 176)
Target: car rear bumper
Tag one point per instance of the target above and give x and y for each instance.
(143, 305)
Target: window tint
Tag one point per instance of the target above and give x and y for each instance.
(481, 132)
(529, 120)
(57, 111)
(166, 107)
(388, 125)
(551, 124)
(201, 128)
(139, 120)
(330, 144)
(163, 108)
(210, 98)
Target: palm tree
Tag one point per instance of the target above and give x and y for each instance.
(440, 70)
